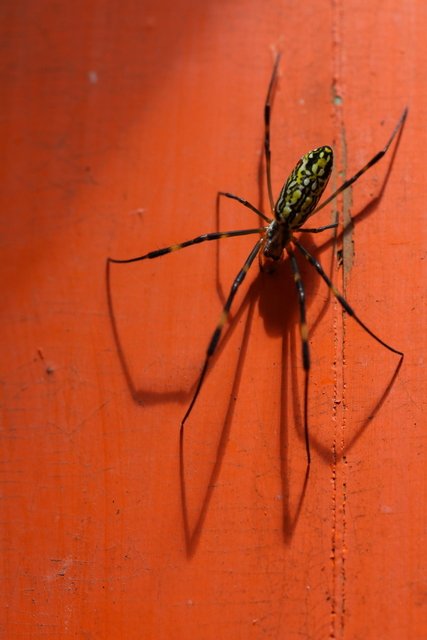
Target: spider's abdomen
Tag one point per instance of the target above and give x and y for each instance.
(303, 188)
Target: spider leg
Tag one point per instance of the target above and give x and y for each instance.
(244, 202)
(343, 302)
(368, 165)
(188, 243)
(218, 329)
(267, 113)
(319, 229)
(304, 343)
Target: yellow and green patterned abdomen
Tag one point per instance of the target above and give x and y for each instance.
(303, 188)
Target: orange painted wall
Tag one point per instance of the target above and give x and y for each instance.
(120, 123)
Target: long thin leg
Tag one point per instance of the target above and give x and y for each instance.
(343, 302)
(368, 165)
(267, 113)
(188, 243)
(319, 229)
(304, 343)
(218, 329)
(245, 203)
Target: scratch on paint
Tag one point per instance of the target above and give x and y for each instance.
(347, 239)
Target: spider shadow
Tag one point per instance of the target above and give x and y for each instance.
(193, 533)
(140, 395)
(278, 308)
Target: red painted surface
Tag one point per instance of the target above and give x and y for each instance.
(120, 123)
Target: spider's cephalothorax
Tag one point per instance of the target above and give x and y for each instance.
(303, 188)
(277, 237)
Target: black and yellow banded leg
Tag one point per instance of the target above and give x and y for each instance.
(368, 165)
(222, 320)
(267, 114)
(205, 237)
(343, 302)
(304, 343)
(244, 202)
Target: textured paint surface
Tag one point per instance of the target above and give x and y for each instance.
(119, 125)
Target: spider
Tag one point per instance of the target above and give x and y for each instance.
(297, 201)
